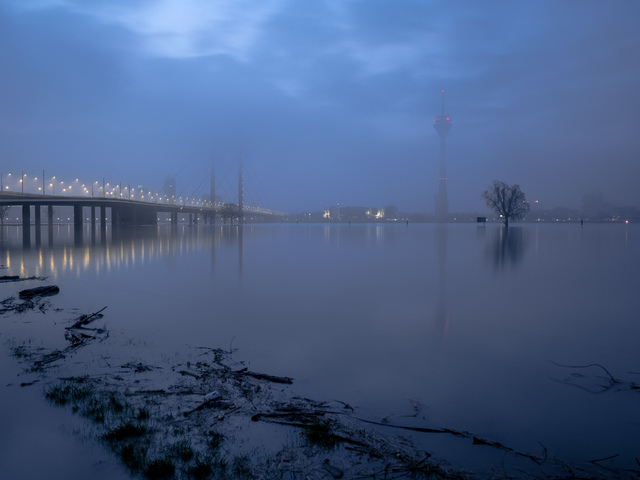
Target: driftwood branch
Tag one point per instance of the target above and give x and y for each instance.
(209, 399)
(18, 278)
(612, 380)
(264, 376)
(39, 291)
(85, 319)
(603, 459)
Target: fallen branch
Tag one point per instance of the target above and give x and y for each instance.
(455, 433)
(9, 278)
(85, 319)
(490, 443)
(206, 403)
(302, 415)
(612, 380)
(39, 291)
(603, 459)
(18, 278)
(161, 392)
(264, 376)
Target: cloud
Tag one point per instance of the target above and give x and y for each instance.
(539, 92)
(181, 29)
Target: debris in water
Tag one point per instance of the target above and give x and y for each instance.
(42, 291)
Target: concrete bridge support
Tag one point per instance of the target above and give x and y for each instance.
(50, 223)
(38, 225)
(103, 221)
(93, 224)
(77, 224)
(26, 225)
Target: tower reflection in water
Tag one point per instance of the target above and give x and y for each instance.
(442, 315)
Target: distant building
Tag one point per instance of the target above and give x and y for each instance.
(360, 214)
(391, 212)
(594, 206)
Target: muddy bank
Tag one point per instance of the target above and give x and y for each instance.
(214, 417)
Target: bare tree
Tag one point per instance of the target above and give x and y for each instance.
(229, 210)
(508, 201)
(4, 209)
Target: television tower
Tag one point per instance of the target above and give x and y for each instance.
(442, 124)
(240, 191)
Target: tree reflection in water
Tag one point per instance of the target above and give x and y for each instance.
(507, 248)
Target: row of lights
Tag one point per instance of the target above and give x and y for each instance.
(95, 190)
(101, 190)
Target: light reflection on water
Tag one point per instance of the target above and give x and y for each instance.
(460, 319)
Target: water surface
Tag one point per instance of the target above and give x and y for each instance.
(465, 326)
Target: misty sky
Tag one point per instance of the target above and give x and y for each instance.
(329, 100)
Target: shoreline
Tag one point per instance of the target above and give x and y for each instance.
(214, 417)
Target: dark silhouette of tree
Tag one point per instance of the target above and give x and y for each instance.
(229, 210)
(508, 201)
(4, 209)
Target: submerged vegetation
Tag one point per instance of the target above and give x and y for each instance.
(209, 440)
(205, 420)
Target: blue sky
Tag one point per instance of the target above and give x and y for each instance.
(327, 101)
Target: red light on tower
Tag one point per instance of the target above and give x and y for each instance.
(447, 119)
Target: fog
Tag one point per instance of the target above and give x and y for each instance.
(330, 101)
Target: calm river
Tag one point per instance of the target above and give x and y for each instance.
(428, 325)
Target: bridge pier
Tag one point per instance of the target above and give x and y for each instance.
(77, 224)
(26, 225)
(103, 223)
(174, 219)
(93, 224)
(50, 223)
(38, 225)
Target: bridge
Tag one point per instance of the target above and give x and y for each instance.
(128, 208)
(123, 212)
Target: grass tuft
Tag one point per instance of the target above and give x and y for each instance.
(125, 431)
(182, 450)
(214, 441)
(64, 393)
(242, 467)
(319, 434)
(159, 468)
(132, 456)
(143, 414)
(115, 405)
(94, 411)
(203, 469)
